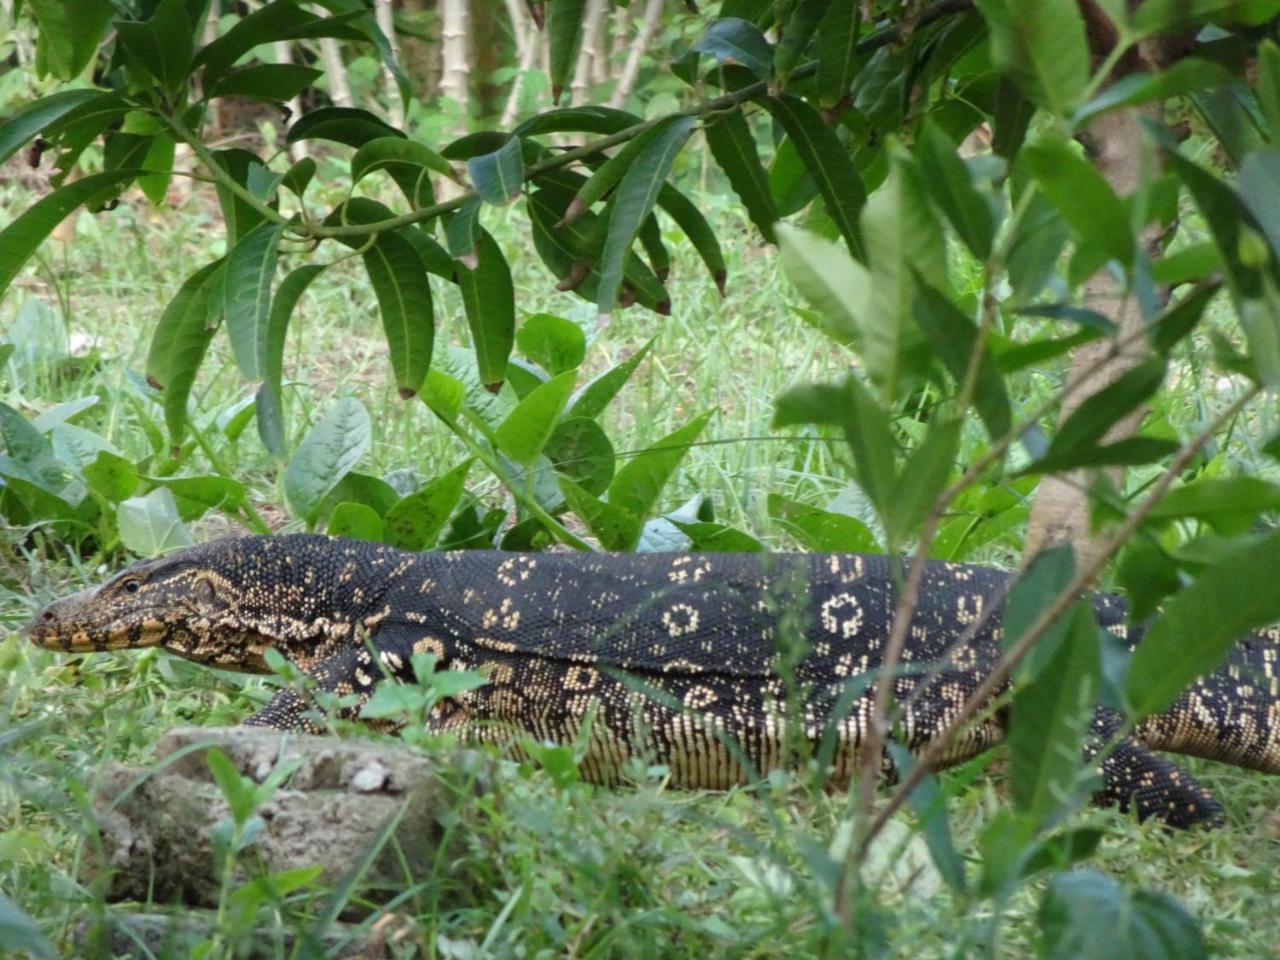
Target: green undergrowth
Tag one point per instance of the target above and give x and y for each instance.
(554, 867)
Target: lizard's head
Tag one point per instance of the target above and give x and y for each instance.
(223, 602)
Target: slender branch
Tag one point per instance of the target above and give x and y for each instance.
(1083, 579)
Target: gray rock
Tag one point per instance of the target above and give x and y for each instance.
(348, 803)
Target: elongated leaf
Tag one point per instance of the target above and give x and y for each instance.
(587, 118)
(796, 35)
(637, 485)
(347, 125)
(564, 37)
(1259, 189)
(1083, 197)
(1042, 44)
(270, 399)
(250, 273)
(633, 202)
(415, 522)
(928, 803)
(463, 228)
(1050, 719)
(527, 428)
(581, 451)
(1179, 78)
(1230, 504)
(905, 246)
(1179, 319)
(614, 527)
(329, 451)
(1162, 16)
(179, 318)
(866, 428)
(924, 475)
(1096, 415)
(734, 40)
(734, 147)
(1086, 913)
(838, 52)
(1226, 216)
(488, 298)
(1268, 88)
(953, 337)
(837, 286)
(595, 396)
(822, 530)
(36, 116)
(695, 226)
(828, 163)
(1123, 453)
(274, 21)
(404, 299)
(607, 176)
(272, 82)
(21, 238)
(947, 179)
(499, 175)
(20, 933)
(406, 161)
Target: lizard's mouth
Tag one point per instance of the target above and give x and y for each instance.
(46, 629)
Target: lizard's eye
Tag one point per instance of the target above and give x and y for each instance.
(131, 586)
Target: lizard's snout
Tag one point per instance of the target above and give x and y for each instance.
(44, 631)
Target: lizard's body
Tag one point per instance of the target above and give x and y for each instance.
(717, 665)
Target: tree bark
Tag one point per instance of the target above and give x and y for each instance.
(648, 28)
(284, 54)
(591, 51)
(528, 45)
(336, 73)
(455, 31)
(385, 18)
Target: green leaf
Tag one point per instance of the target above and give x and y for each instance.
(905, 245)
(21, 237)
(1200, 624)
(606, 176)
(356, 520)
(196, 496)
(250, 272)
(587, 118)
(1188, 75)
(404, 299)
(1230, 505)
(1227, 218)
(695, 226)
(462, 229)
(950, 187)
(797, 34)
(274, 21)
(827, 161)
(717, 537)
(1083, 197)
(866, 428)
(637, 485)
(1268, 89)
(1164, 16)
(593, 398)
(488, 298)
(272, 82)
(69, 34)
(822, 530)
(38, 115)
(238, 791)
(924, 474)
(1100, 411)
(614, 527)
(1086, 913)
(406, 161)
(632, 203)
(179, 344)
(734, 148)
(953, 338)
(111, 476)
(415, 522)
(1260, 190)
(734, 40)
(810, 403)
(1131, 452)
(240, 217)
(837, 286)
(1049, 720)
(838, 61)
(329, 451)
(790, 185)
(270, 400)
(163, 45)
(20, 933)
(554, 343)
(347, 125)
(1042, 44)
(581, 451)
(527, 428)
(150, 525)
(929, 804)
(564, 36)
(444, 395)
(498, 176)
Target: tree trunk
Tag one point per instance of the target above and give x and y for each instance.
(455, 32)
(385, 18)
(591, 51)
(648, 28)
(335, 72)
(283, 54)
(528, 43)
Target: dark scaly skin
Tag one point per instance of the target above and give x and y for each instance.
(665, 656)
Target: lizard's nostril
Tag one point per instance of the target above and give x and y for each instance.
(47, 616)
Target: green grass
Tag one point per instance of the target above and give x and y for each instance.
(628, 873)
